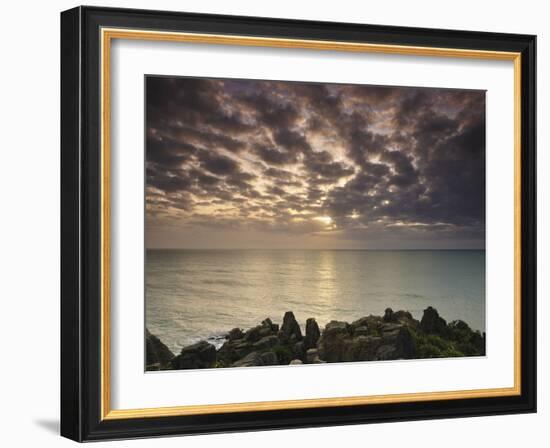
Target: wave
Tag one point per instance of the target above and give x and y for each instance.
(222, 282)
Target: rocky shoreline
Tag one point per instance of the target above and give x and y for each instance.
(396, 335)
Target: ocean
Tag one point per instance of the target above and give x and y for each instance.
(202, 294)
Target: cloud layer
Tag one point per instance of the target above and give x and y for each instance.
(244, 163)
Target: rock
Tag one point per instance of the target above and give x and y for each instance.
(431, 322)
(253, 334)
(312, 333)
(386, 352)
(402, 341)
(388, 315)
(332, 343)
(372, 323)
(267, 323)
(312, 356)
(265, 343)
(268, 327)
(299, 350)
(236, 333)
(233, 350)
(361, 331)
(269, 359)
(390, 328)
(201, 355)
(295, 362)
(361, 348)
(337, 327)
(362, 322)
(404, 317)
(157, 354)
(465, 340)
(406, 344)
(290, 329)
(265, 331)
(250, 360)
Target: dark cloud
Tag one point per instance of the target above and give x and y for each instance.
(217, 163)
(352, 161)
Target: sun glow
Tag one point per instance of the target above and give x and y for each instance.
(327, 220)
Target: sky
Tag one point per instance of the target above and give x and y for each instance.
(256, 164)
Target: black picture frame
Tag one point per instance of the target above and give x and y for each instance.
(81, 224)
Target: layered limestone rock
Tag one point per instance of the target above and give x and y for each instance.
(395, 335)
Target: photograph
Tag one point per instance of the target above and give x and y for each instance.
(291, 223)
(277, 221)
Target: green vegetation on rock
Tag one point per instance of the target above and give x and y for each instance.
(395, 335)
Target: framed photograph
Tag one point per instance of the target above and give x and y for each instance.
(275, 224)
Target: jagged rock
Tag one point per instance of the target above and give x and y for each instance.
(333, 341)
(267, 323)
(467, 341)
(401, 339)
(158, 355)
(404, 317)
(337, 327)
(269, 359)
(290, 330)
(236, 333)
(253, 334)
(388, 315)
(396, 335)
(432, 323)
(233, 350)
(265, 343)
(299, 350)
(265, 331)
(267, 328)
(312, 333)
(250, 360)
(362, 330)
(386, 352)
(361, 348)
(390, 328)
(295, 362)
(312, 356)
(201, 355)
(243, 349)
(362, 322)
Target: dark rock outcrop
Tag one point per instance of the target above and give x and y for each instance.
(157, 354)
(265, 343)
(236, 333)
(312, 333)
(388, 315)
(269, 358)
(400, 338)
(250, 360)
(432, 323)
(201, 355)
(334, 340)
(395, 335)
(290, 330)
